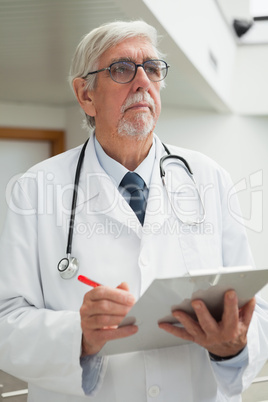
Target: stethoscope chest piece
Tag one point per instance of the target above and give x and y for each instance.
(68, 267)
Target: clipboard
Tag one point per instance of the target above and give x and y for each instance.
(168, 294)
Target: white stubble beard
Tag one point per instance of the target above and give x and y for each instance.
(142, 124)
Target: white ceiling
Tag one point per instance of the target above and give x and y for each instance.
(38, 39)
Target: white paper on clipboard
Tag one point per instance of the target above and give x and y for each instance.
(165, 295)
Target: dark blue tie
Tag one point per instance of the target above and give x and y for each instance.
(134, 184)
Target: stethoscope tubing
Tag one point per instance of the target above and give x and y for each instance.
(188, 170)
(74, 200)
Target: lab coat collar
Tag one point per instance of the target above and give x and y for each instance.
(157, 207)
(99, 191)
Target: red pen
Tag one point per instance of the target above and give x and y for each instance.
(88, 281)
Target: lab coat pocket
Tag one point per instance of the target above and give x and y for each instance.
(200, 247)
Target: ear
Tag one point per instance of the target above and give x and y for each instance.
(84, 97)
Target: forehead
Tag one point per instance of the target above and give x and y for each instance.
(136, 49)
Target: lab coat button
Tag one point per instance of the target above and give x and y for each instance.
(144, 258)
(154, 391)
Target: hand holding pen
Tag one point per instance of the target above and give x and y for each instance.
(102, 311)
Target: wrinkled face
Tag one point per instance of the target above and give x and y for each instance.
(130, 109)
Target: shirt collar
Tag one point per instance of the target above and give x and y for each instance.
(117, 171)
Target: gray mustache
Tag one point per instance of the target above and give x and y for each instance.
(138, 97)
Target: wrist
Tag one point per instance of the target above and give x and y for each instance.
(217, 358)
(87, 349)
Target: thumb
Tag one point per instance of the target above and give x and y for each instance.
(123, 286)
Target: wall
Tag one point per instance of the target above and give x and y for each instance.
(67, 118)
(32, 116)
(75, 134)
(250, 81)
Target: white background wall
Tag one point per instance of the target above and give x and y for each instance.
(31, 116)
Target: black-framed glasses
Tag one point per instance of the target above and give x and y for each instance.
(125, 71)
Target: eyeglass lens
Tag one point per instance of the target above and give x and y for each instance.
(124, 71)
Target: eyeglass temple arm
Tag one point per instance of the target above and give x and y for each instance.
(97, 71)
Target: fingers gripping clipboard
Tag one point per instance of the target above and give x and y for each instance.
(166, 295)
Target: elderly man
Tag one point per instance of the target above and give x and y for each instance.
(54, 329)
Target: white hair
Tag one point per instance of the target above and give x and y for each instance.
(96, 42)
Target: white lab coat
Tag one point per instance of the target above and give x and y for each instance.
(40, 334)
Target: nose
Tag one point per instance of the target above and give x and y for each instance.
(141, 79)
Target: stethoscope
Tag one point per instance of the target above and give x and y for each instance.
(68, 266)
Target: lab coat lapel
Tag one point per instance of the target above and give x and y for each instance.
(101, 194)
(157, 211)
